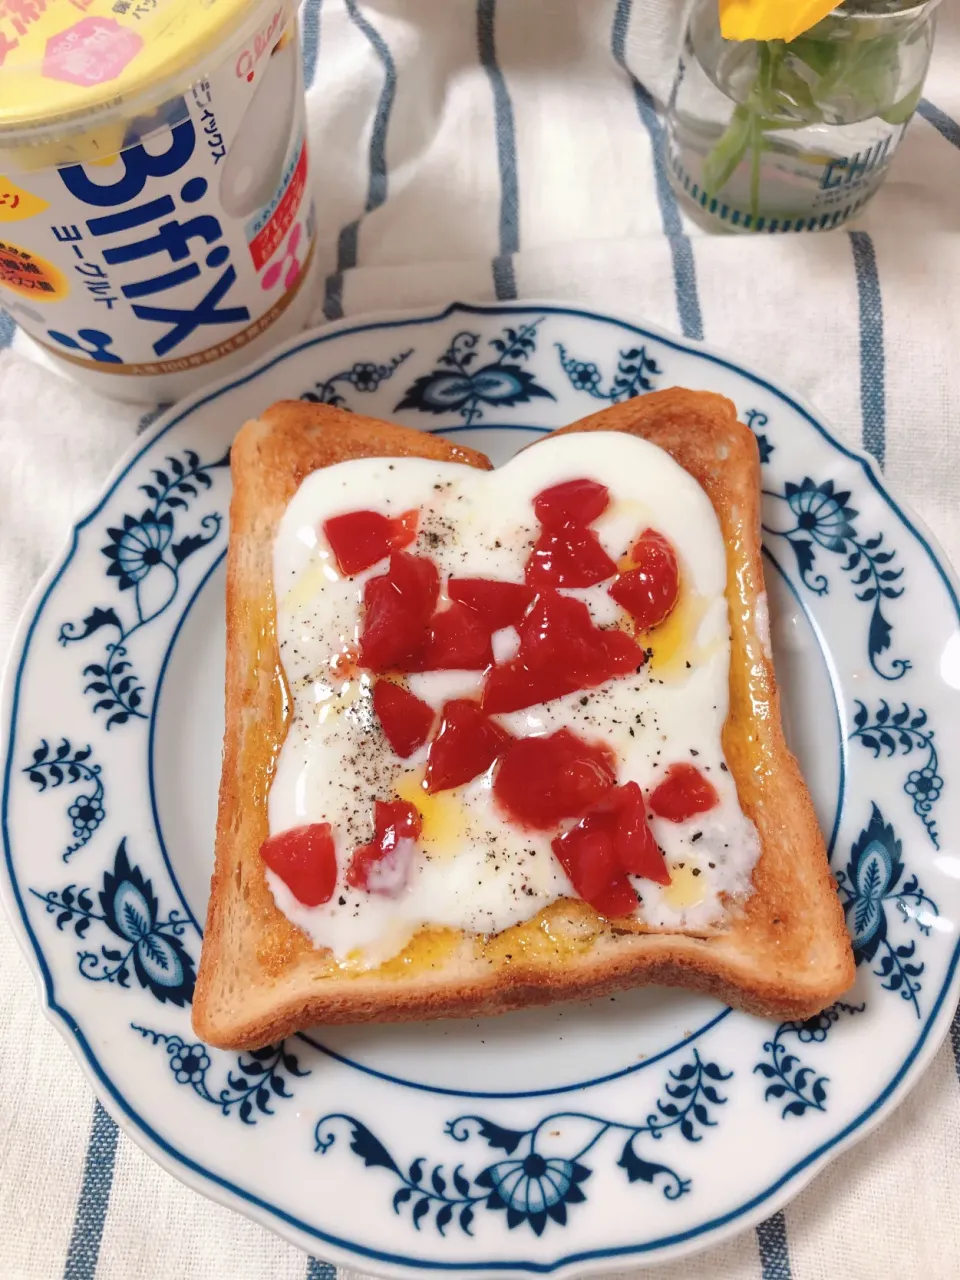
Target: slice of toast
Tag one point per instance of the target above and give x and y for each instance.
(785, 954)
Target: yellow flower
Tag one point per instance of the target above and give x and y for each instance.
(771, 19)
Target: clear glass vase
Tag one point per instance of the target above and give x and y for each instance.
(770, 136)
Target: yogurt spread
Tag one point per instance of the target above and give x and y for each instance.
(156, 221)
(497, 797)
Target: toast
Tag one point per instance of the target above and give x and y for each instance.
(785, 954)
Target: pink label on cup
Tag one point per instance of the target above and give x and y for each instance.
(92, 51)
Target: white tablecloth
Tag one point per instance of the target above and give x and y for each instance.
(482, 148)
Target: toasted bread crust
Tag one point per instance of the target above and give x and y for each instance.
(786, 954)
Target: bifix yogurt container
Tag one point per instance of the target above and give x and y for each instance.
(156, 218)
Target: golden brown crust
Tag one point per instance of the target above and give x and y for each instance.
(785, 955)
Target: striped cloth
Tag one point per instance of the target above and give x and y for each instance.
(512, 148)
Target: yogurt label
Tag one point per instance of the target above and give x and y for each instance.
(184, 246)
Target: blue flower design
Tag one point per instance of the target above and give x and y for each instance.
(924, 785)
(253, 1083)
(793, 1083)
(86, 814)
(151, 948)
(822, 513)
(635, 373)
(533, 1189)
(190, 1063)
(459, 387)
(144, 559)
(54, 768)
(583, 377)
(138, 547)
(365, 376)
(871, 879)
(904, 732)
(822, 517)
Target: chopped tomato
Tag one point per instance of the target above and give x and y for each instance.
(608, 843)
(561, 651)
(458, 641)
(637, 851)
(466, 744)
(305, 859)
(683, 793)
(383, 865)
(406, 720)
(398, 606)
(620, 819)
(361, 538)
(541, 781)
(498, 604)
(568, 556)
(575, 502)
(649, 592)
(587, 856)
(617, 900)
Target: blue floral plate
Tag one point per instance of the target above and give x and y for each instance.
(574, 1139)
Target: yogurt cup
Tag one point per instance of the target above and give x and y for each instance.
(157, 225)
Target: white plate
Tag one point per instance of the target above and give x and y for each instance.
(573, 1139)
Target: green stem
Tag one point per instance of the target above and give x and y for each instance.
(756, 156)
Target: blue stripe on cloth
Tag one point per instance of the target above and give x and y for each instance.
(310, 36)
(872, 376)
(774, 1254)
(320, 1270)
(91, 1213)
(8, 327)
(377, 183)
(504, 279)
(684, 265)
(944, 124)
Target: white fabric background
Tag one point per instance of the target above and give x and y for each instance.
(584, 221)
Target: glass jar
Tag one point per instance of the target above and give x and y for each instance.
(771, 136)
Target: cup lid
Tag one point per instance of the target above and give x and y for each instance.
(70, 62)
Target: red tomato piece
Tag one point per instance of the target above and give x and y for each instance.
(541, 781)
(305, 859)
(458, 641)
(570, 556)
(398, 606)
(636, 849)
(649, 593)
(405, 719)
(575, 502)
(587, 855)
(609, 842)
(498, 604)
(466, 744)
(361, 538)
(617, 900)
(383, 866)
(560, 652)
(683, 793)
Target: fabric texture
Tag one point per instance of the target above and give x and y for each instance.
(511, 148)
